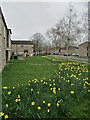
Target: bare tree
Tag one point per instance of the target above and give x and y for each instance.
(38, 40)
(84, 27)
(54, 37)
(72, 29)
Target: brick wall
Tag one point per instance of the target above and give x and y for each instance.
(3, 44)
(17, 48)
(83, 49)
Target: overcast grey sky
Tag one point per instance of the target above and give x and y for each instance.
(27, 18)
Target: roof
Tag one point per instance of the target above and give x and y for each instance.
(4, 20)
(84, 43)
(10, 31)
(22, 42)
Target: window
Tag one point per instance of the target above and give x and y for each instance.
(25, 51)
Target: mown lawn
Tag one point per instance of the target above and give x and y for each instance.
(58, 90)
(29, 68)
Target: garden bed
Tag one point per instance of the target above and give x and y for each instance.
(63, 95)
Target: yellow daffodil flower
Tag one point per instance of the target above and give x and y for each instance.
(9, 92)
(5, 87)
(39, 108)
(72, 92)
(33, 103)
(49, 104)
(18, 96)
(6, 117)
(43, 101)
(57, 104)
(6, 105)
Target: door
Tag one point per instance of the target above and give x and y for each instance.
(6, 56)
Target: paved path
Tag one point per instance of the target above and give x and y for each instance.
(72, 58)
(31, 63)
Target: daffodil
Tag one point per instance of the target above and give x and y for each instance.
(72, 92)
(43, 101)
(13, 87)
(19, 99)
(33, 103)
(68, 81)
(18, 96)
(2, 114)
(6, 117)
(88, 90)
(51, 88)
(6, 105)
(9, 92)
(41, 80)
(49, 104)
(31, 89)
(49, 79)
(16, 100)
(39, 108)
(58, 88)
(5, 87)
(57, 104)
(54, 84)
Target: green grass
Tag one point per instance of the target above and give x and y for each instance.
(80, 109)
(16, 73)
(33, 60)
(72, 106)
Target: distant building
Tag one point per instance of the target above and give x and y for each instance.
(21, 47)
(71, 50)
(5, 42)
(84, 49)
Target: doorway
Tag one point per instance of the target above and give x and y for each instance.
(6, 56)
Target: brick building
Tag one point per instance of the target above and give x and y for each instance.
(5, 39)
(71, 50)
(21, 47)
(84, 49)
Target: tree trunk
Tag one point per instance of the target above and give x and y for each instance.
(67, 52)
